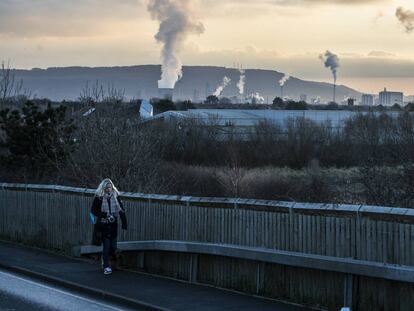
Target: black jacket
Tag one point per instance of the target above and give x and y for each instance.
(109, 230)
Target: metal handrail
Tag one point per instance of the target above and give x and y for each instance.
(407, 214)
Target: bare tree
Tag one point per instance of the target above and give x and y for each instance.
(10, 88)
(92, 94)
(121, 149)
(232, 175)
(97, 93)
(114, 95)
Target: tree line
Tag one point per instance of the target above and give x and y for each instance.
(367, 160)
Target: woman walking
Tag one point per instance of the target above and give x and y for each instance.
(107, 206)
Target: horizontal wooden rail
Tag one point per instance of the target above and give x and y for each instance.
(294, 259)
(399, 214)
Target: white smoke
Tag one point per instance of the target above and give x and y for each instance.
(316, 100)
(242, 81)
(284, 79)
(406, 18)
(222, 86)
(331, 61)
(176, 23)
(256, 98)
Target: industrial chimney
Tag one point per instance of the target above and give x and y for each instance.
(165, 93)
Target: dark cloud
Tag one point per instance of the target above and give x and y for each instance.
(375, 64)
(30, 18)
(292, 2)
(344, 2)
(406, 18)
(69, 8)
(248, 8)
(380, 54)
(309, 2)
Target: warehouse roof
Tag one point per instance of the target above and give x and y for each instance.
(239, 117)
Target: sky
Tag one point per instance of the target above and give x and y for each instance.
(375, 48)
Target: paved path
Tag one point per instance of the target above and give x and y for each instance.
(21, 293)
(135, 289)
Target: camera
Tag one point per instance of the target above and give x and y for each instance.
(108, 219)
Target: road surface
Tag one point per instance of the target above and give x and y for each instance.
(18, 293)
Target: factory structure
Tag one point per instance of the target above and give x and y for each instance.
(387, 98)
(242, 94)
(367, 100)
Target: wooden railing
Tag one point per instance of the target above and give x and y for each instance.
(57, 217)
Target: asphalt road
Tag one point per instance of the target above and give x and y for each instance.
(18, 293)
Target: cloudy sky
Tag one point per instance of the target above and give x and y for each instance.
(375, 48)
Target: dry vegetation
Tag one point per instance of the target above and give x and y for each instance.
(368, 161)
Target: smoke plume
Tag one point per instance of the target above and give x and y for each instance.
(406, 18)
(222, 86)
(284, 79)
(176, 23)
(242, 80)
(256, 98)
(331, 61)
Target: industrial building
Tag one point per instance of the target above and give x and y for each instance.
(387, 98)
(244, 122)
(367, 100)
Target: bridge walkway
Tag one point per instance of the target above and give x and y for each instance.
(135, 289)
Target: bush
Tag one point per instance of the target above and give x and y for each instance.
(185, 105)
(269, 183)
(195, 181)
(35, 139)
(212, 99)
(163, 105)
(293, 105)
(278, 102)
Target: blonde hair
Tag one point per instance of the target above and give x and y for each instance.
(101, 188)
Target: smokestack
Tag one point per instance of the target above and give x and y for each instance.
(282, 82)
(331, 61)
(165, 93)
(241, 83)
(176, 23)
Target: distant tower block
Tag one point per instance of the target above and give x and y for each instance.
(387, 98)
(165, 93)
(367, 100)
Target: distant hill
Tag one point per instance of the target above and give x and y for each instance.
(197, 82)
